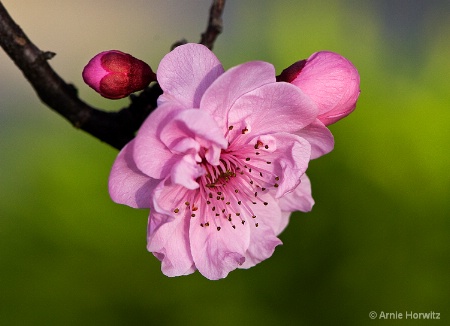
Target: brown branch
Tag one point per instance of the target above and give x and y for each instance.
(214, 24)
(114, 128)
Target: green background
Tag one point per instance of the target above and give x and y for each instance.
(378, 238)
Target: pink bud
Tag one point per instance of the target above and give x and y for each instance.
(330, 80)
(115, 74)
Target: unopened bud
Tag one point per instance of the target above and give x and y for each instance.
(330, 80)
(115, 74)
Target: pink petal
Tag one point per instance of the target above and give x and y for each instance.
(168, 240)
(284, 221)
(275, 107)
(300, 199)
(263, 238)
(152, 156)
(216, 253)
(320, 138)
(289, 161)
(197, 125)
(94, 72)
(332, 82)
(168, 196)
(186, 72)
(127, 184)
(186, 171)
(233, 84)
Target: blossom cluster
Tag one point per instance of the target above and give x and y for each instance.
(221, 161)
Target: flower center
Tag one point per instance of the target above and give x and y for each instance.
(230, 192)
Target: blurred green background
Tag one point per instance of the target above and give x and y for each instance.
(378, 238)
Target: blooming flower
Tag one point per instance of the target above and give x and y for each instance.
(220, 163)
(114, 74)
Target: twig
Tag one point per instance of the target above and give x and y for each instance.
(113, 128)
(214, 24)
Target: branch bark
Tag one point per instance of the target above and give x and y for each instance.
(113, 128)
(215, 24)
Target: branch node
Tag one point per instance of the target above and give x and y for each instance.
(48, 55)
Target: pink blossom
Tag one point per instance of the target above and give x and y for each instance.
(330, 80)
(220, 163)
(114, 74)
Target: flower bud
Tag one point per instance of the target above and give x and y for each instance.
(115, 74)
(330, 80)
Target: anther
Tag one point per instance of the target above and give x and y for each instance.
(176, 210)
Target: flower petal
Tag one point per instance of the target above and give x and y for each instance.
(263, 238)
(333, 84)
(186, 72)
(186, 171)
(168, 240)
(300, 199)
(233, 84)
(274, 107)
(169, 198)
(216, 253)
(288, 162)
(150, 154)
(127, 184)
(320, 138)
(197, 125)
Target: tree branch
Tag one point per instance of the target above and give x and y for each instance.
(113, 128)
(215, 24)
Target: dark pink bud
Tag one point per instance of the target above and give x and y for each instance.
(115, 74)
(291, 72)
